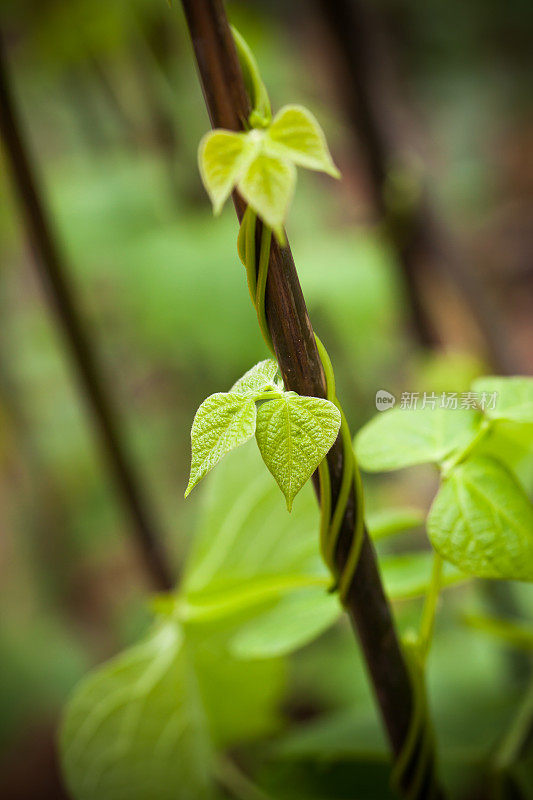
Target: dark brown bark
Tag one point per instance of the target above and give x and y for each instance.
(55, 278)
(420, 238)
(29, 765)
(126, 124)
(160, 122)
(298, 358)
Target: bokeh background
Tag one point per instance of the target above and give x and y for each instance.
(418, 272)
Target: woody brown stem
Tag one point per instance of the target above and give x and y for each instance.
(300, 365)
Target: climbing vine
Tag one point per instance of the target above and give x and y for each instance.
(294, 434)
(149, 722)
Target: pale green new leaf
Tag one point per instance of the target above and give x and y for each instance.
(268, 186)
(296, 135)
(145, 724)
(294, 434)
(403, 437)
(257, 379)
(135, 727)
(514, 397)
(296, 619)
(223, 157)
(482, 521)
(224, 421)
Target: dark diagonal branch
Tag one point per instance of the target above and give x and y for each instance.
(420, 238)
(301, 367)
(422, 241)
(55, 277)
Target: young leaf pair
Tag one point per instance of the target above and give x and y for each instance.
(293, 433)
(481, 518)
(261, 163)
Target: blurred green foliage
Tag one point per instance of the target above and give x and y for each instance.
(165, 300)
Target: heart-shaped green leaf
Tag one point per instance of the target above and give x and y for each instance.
(294, 434)
(296, 135)
(268, 187)
(223, 157)
(258, 378)
(146, 724)
(403, 437)
(296, 619)
(506, 398)
(224, 421)
(482, 521)
(134, 727)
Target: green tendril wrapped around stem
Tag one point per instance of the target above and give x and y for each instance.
(413, 772)
(257, 279)
(416, 758)
(410, 773)
(330, 524)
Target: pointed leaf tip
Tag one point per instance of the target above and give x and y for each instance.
(256, 379)
(294, 434)
(223, 422)
(268, 186)
(296, 134)
(482, 521)
(223, 157)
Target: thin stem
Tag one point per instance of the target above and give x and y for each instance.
(221, 604)
(351, 481)
(366, 81)
(249, 221)
(92, 383)
(345, 487)
(262, 272)
(519, 732)
(429, 611)
(239, 784)
(416, 229)
(484, 429)
(325, 508)
(273, 394)
(302, 371)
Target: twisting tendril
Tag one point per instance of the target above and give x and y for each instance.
(330, 524)
(413, 773)
(413, 768)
